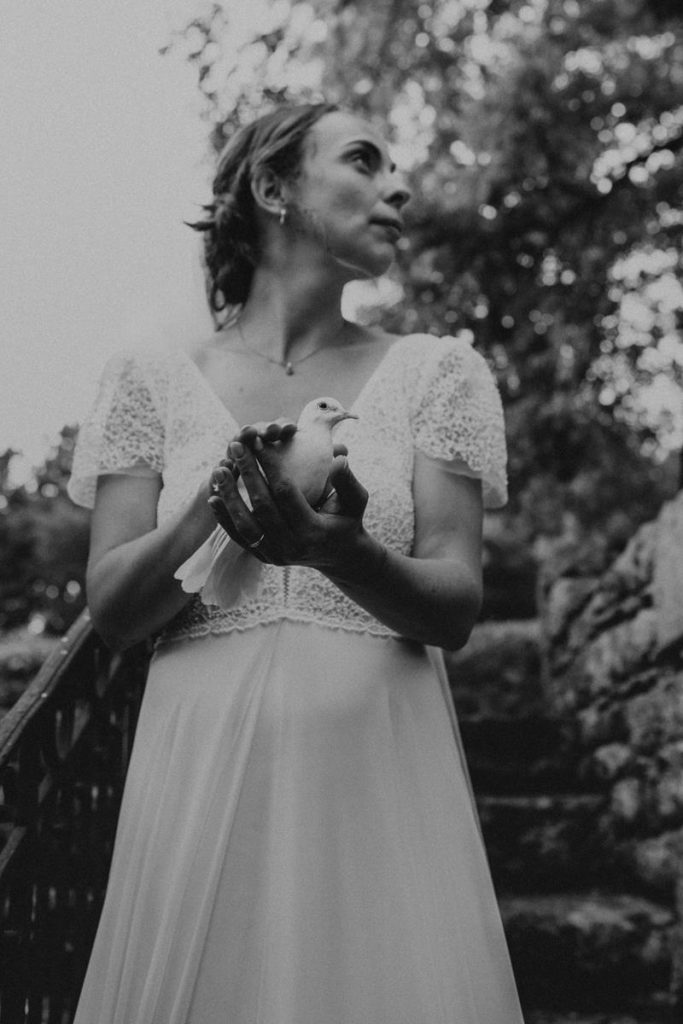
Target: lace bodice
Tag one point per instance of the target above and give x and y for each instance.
(156, 413)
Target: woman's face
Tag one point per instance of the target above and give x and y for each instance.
(349, 196)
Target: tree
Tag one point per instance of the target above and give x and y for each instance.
(544, 140)
(43, 544)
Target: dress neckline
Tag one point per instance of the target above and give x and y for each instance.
(206, 384)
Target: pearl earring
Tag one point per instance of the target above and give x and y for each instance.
(283, 215)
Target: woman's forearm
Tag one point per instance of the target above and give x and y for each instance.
(131, 588)
(433, 601)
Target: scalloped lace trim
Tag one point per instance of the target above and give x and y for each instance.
(222, 626)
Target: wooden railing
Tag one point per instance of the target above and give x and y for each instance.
(64, 751)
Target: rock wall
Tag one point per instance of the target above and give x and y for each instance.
(612, 653)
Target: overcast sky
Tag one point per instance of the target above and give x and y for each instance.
(102, 155)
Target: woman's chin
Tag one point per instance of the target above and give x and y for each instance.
(367, 268)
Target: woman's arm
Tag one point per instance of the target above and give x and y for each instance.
(432, 597)
(130, 585)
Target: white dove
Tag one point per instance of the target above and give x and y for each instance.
(220, 569)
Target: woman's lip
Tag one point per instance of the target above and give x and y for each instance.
(395, 230)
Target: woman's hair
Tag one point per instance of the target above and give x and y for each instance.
(231, 237)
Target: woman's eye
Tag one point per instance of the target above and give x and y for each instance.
(361, 158)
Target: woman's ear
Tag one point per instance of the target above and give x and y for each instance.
(268, 192)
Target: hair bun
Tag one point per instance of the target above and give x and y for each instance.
(218, 214)
(224, 211)
(228, 251)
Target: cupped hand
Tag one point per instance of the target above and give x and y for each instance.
(274, 521)
(271, 432)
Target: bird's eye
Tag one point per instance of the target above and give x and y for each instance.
(322, 405)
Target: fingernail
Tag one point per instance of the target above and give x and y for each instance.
(236, 449)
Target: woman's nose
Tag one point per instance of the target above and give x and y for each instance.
(397, 192)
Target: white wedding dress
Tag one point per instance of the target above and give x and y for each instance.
(297, 841)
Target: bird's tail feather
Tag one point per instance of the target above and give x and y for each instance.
(220, 570)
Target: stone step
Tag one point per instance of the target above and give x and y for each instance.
(530, 754)
(651, 1016)
(590, 951)
(498, 672)
(542, 843)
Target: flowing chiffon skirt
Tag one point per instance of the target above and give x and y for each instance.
(298, 844)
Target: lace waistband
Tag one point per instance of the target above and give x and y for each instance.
(217, 623)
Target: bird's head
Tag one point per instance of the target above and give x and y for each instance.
(326, 411)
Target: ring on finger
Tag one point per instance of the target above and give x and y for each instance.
(325, 498)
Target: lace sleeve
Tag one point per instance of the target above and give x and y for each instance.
(457, 415)
(123, 432)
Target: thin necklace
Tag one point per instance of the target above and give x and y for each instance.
(286, 364)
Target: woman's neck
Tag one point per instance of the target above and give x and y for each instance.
(287, 317)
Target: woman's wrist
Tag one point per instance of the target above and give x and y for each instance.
(359, 563)
(198, 521)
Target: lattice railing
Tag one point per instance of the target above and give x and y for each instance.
(64, 751)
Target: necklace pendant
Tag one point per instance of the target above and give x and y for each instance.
(289, 369)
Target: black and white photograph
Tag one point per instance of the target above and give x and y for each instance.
(341, 512)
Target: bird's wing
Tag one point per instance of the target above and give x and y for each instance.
(193, 572)
(220, 571)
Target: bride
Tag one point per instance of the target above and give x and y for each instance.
(297, 841)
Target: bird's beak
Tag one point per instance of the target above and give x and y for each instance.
(344, 415)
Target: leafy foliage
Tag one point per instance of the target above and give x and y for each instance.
(43, 544)
(544, 141)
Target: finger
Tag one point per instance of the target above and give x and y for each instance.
(228, 466)
(217, 506)
(231, 511)
(255, 541)
(264, 507)
(250, 431)
(222, 516)
(287, 430)
(224, 486)
(271, 431)
(278, 430)
(218, 477)
(330, 504)
(247, 434)
(236, 517)
(248, 468)
(258, 550)
(353, 497)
